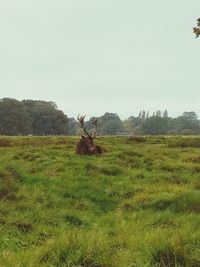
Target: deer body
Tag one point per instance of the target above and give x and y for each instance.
(86, 146)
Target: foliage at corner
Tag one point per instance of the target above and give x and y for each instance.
(196, 30)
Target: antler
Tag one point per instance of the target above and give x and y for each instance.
(81, 119)
(95, 131)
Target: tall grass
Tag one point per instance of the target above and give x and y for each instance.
(138, 204)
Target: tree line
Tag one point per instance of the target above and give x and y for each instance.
(37, 117)
(34, 117)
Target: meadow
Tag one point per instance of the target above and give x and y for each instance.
(138, 204)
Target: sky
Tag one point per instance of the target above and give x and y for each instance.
(97, 56)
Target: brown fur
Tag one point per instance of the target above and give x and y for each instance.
(86, 146)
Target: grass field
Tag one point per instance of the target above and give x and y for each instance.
(136, 205)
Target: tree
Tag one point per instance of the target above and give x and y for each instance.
(111, 123)
(190, 116)
(187, 123)
(128, 126)
(155, 125)
(14, 119)
(165, 114)
(158, 113)
(140, 115)
(46, 118)
(196, 30)
(136, 121)
(143, 114)
(72, 126)
(112, 127)
(48, 121)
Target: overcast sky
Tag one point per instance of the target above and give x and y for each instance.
(93, 56)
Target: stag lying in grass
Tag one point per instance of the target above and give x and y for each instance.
(86, 145)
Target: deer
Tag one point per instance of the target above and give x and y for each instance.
(86, 145)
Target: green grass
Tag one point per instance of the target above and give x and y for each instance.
(138, 204)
